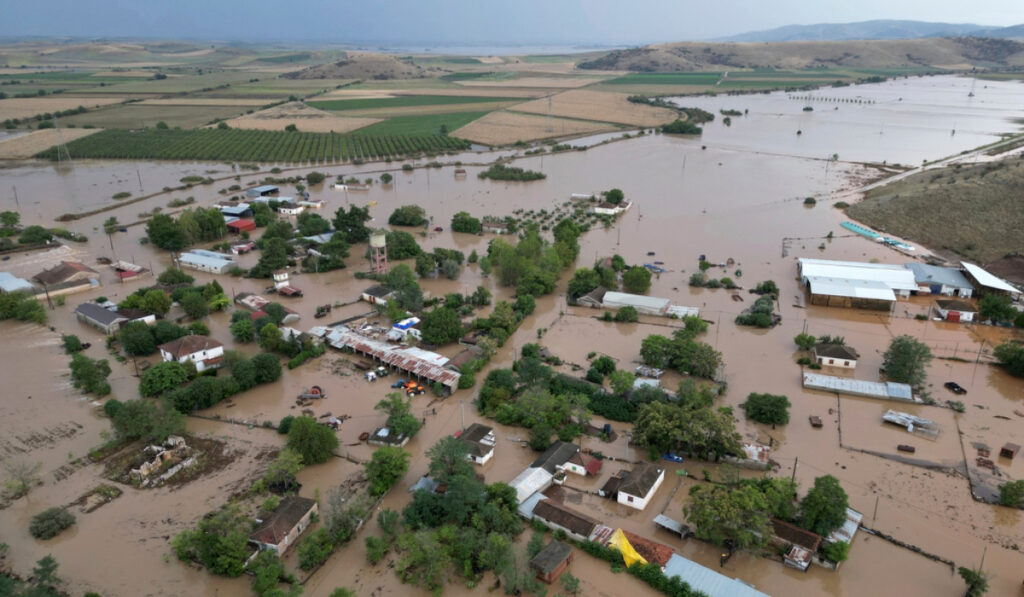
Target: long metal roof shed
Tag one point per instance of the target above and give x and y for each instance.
(858, 387)
(414, 362)
(934, 274)
(861, 289)
(988, 280)
(707, 580)
(896, 277)
(650, 305)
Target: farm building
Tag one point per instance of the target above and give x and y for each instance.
(707, 581)
(291, 210)
(835, 355)
(799, 545)
(554, 458)
(582, 464)
(947, 281)
(422, 364)
(241, 225)
(532, 480)
(206, 263)
(888, 390)
(955, 310)
(986, 283)
(377, 295)
(105, 320)
(261, 191)
(494, 225)
(205, 352)
(139, 315)
(593, 299)
(128, 272)
(552, 561)
(480, 439)
(235, 209)
(611, 209)
(647, 305)
(855, 284)
(557, 517)
(464, 356)
(66, 278)
(11, 283)
(283, 527)
(640, 485)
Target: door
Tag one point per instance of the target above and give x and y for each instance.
(953, 316)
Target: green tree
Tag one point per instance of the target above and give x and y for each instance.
(401, 245)
(627, 314)
(770, 409)
(243, 330)
(270, 337)
(570, 584)
(281, 473)
(621, 382)
(737, 514)
(45, 581)
(50, 522)
(314, 177)
(314, 442)
(352, 224)
(441, 326)
(267, 571)
(11, 219)
(997, 307)
(583, 281)
(636, 280)
(166, 233)
(805, 341)
(399, 411)
(156, 302)
(145, 419)
(90, 375)
(823, 509)
(463, 222)
(408, 215)
(165, 331)
(273, 257)
(614, 196)
(162, 377)
(1011, 494)
(174, 276)
(906, 360)
(221, 542)
(1011, 357)
(71, 343)
(977, 581)
(268, 368)
(194, 305)
(448, 460)
(385, 468)
(311, 224)
(137, 339)
(33, 235)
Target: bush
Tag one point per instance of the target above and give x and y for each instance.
(315, 549)
(837, 552)
(767, 287)
(1011, 494)
(770, 409)
(285, 424)
(311, 440)
(627, 314)
(50, 522)
(71, 343)
(376, 549)
(408, 215)
(681, 127)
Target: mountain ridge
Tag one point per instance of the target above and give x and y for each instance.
(874, 30)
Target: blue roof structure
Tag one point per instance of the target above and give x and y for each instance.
(707, 580)
(933, 274)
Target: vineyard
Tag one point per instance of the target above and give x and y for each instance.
(251, 145)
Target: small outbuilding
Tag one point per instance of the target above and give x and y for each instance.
(261, 191)
(11, 283)
(480, 440)
(955, 310)
(835, 355)
(640, 485)
(552, 561)
(377, 295)
(557, 517)
(282, 528)
(241, 225)
(1009, 451)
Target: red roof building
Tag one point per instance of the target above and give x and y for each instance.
(241, 225)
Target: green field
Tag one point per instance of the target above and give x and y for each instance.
(141, 116)
(251, 145)
(287, 58)
(406, 101)
(421, 124)
(176, 84)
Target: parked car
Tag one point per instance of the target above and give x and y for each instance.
(954, 387)
(672, 457)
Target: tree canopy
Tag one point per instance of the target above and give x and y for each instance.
(823, 509)
(314, 442)
(906, 360)
(771, 409)
(408, 215)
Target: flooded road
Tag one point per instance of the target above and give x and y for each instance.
(740, 199)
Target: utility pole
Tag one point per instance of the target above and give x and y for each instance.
(462, 409)
(796, 460)
(16, 204)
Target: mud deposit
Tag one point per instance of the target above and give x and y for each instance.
(741, 198)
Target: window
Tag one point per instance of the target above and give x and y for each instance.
(846, 363)
(831, 361)
(629, 498)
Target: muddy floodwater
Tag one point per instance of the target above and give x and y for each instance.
(735, 195)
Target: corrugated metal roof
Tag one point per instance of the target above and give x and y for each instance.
(621, 299)
(863, 289)
(707, 580)
(526, 507)
(858, 387)
(896, 277)
(988, 280)
(530, 481)
(205, 260)
(413, 361)
(11, 283)
(934, 274)
(681, 311)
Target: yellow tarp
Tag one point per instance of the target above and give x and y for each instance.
(629, 555)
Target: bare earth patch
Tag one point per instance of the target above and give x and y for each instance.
(205, 101)
(25, 107)
(503, 128)
(26, 146)
(599, 105)
(302, 116)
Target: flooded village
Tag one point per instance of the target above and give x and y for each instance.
(662, 274)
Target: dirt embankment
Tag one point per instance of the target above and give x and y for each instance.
(972, 211)
(935, 52)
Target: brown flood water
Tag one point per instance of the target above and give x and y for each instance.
(733, 200)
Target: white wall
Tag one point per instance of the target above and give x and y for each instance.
(641, 502)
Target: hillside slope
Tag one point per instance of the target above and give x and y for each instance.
(973, 211)
(364, 65)
(961, 52)
(876, 29)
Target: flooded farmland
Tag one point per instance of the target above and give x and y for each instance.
(740, 200)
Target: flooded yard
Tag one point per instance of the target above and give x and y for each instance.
(741, 199)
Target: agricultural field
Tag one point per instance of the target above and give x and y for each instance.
(204, 101)
(536, 81)
(422, 124)
(18, 108)
(277, 88)
(505, 128)
(405, 101)
(304, 117)
(175, 84)
(251, 145)
(137, 115)
(25, 146)
(600, 106)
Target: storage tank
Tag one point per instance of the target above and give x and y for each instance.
(377, 239)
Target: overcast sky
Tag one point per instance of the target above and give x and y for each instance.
(494, 22)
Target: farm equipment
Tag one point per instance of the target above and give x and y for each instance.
(414, 389)
(322, 311)
(398, 384)
(312, 393)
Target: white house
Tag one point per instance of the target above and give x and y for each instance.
(582, 464)
(205, 352)
(835, 355)
(291, 210)
(480, 440)
(640, 485)
(206, 263)
(377, 295)
(611, 209)
(956, 310)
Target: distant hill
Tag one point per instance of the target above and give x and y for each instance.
(365, 65)
(880, 29)
(938, 53)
